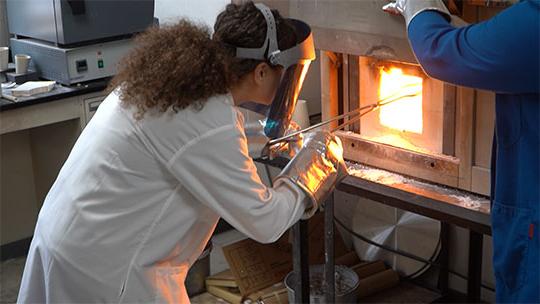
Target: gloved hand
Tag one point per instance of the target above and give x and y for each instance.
(257, 141)
(316, 168)
(410, 8)
(290, 147)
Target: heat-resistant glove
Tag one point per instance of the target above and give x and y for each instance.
(316, 168)
(410, 8)
(258, 142)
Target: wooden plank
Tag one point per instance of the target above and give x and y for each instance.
(492, 4)
(453, 7)
(464, 135)
(475, 120)
(449, 119)
(470, 13)
(354, 88)
(437, 168)
(481, 180)
(485, 13)
(345, 83)
(432, 137)
(329, 87)
(484, 128)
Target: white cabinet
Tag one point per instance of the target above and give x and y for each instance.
(35, 141)
(90, 106)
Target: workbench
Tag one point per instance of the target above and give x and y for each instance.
(36, 135)
(447, 205)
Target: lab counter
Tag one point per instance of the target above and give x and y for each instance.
(36, 136)
(61, 104)
(60, 92)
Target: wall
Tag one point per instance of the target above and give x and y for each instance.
(205, 12)
(29, 163)
(311, 90)
(3, 24)
(347, 210)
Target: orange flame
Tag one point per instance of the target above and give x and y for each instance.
(404, 114)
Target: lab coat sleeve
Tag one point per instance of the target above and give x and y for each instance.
(500, 54)
(217, 170)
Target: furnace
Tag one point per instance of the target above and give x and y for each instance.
(442, 134)
(413, 135)
(439, 134)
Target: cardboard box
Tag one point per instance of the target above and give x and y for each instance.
(257, 266)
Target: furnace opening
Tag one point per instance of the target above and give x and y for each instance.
(404, 114)
(414, 122)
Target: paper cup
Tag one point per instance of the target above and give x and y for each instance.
(301, 115)
(21, 63)
(4, 58)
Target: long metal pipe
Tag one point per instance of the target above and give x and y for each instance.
(369, 108)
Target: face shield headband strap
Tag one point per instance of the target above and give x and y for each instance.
(270, 46)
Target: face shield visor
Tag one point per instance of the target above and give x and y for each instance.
(295, 62)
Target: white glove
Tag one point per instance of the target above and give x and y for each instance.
(316, 168)
(410, 8)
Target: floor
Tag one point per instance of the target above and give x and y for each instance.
(10, 278)
(11, 270)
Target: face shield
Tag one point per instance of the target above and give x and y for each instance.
(295, 62)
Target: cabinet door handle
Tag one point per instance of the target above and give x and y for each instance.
(93, 106)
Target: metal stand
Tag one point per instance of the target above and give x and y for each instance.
(474, 284)
(444, 259)
(301, 257)
(301, 262)
(329, 285)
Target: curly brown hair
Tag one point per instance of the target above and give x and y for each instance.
(244, 26)
(180, 65)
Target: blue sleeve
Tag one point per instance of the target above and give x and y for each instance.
(500, 54)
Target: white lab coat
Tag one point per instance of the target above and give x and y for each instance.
(136, 202)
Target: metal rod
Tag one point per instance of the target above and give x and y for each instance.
(373, 106)
(329, 266)
(353, 120)
(444, 258)
(315, 126)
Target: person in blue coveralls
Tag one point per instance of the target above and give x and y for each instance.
(501, 54)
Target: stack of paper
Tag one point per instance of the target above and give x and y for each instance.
(32, 88)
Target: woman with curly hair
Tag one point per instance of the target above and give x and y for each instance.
(164, 158)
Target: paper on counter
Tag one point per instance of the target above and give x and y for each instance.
(30, 88)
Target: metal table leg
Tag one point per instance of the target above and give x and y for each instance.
(329, 277)
(444, 258)
(474, 284)
(301, 262)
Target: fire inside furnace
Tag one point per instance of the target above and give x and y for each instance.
(404, 114)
